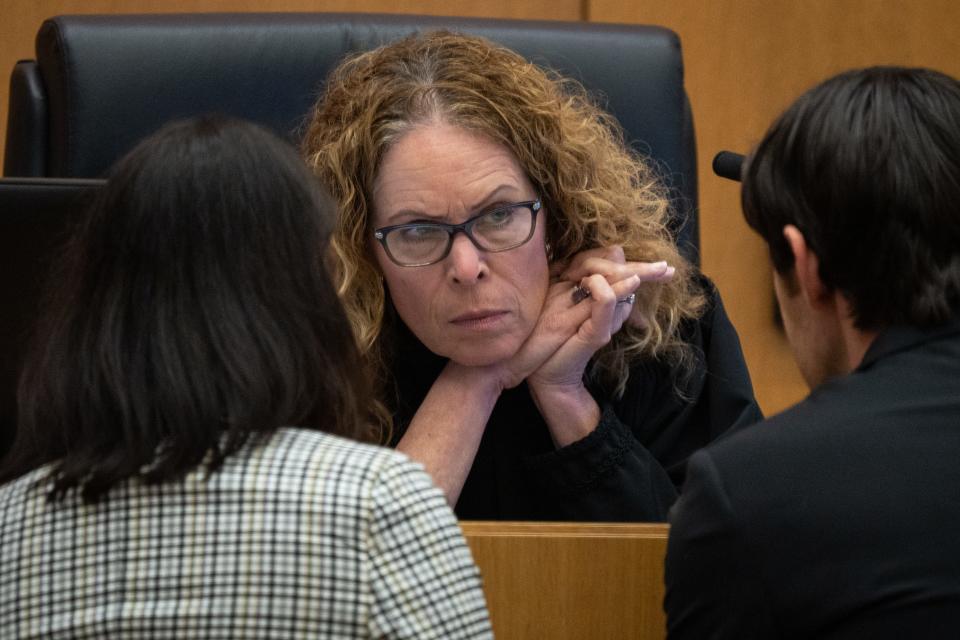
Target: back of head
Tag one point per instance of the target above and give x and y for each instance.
(190, 312)
(867, 166)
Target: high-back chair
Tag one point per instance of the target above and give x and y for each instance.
(101, 83)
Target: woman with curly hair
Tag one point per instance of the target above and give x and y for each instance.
(539, 343)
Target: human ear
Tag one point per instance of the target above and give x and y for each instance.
(806, 265)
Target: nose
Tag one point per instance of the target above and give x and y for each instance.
(465, 262)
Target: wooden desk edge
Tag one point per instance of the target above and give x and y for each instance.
(477, 529)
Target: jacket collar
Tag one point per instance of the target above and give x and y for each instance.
(900, 338)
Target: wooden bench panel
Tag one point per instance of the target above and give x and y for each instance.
(571, 581)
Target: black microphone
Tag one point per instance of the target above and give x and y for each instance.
(728, 164)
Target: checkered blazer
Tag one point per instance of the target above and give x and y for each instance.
(308, 536)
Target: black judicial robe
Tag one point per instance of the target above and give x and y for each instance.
(630, 467)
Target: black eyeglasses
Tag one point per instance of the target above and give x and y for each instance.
(418, 244)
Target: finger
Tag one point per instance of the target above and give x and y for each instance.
(653, 271)
(626, 292)
(609, 269)
(596, 330)
(613, 253)
(614, 272)
(560, 314)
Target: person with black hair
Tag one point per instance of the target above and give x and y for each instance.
(840, 516)
(187, 460)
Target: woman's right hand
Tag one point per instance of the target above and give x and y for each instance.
(568, 331)
(606, 274)
(559, 320)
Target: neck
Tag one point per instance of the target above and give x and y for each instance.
(855, 341)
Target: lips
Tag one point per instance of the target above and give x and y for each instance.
(479, 319)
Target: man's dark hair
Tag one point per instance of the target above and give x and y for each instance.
(867, 166)
(191, 313)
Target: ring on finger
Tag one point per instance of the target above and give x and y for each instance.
(580, 294)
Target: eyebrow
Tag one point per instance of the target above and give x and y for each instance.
(495, 197)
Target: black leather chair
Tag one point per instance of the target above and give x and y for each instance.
(100, 83)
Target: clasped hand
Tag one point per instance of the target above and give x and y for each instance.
(569, 331)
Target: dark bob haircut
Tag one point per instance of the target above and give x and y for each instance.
(191, 313)
(867, 166)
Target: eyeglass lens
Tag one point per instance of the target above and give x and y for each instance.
(497, 230)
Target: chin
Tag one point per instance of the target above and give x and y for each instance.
(480, 355)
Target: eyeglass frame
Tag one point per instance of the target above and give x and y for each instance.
(465, 227)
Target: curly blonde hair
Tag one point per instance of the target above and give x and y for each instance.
(598, 192)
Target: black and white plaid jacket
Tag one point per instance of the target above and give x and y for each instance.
(309, 536)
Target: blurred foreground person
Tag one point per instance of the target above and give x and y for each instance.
(186, 463)
(840, 518)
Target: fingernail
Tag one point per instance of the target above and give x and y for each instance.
(670, 271)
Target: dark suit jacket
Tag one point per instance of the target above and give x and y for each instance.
(839, 518)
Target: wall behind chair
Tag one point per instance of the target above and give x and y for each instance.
(745, 61)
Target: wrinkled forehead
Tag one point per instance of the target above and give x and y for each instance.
(442, 169)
